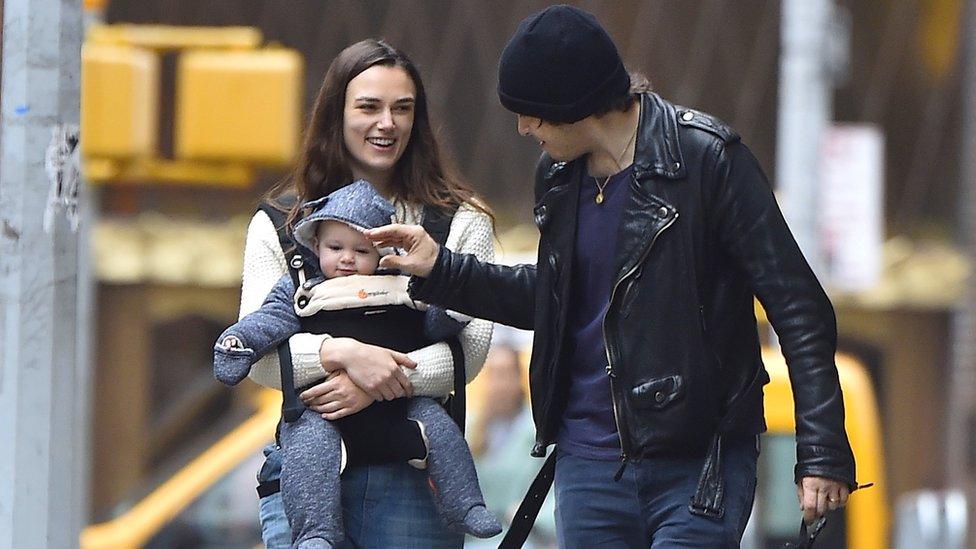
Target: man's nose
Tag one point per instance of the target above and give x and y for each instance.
(523, 125)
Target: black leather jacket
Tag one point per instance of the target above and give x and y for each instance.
(700, 235)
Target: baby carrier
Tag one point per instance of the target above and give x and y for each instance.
(395, 331)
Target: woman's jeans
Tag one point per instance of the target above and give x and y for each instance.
(382, 506)
(648, 506)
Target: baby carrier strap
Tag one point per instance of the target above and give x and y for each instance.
(291, 408)
(437, 223)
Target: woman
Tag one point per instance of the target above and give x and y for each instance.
(369, 121)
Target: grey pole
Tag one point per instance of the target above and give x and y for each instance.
(805, 107)
(960, 452)
(43, 402)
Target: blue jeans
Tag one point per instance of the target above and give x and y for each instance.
(275, 530)
(382, 506)
(648, 506)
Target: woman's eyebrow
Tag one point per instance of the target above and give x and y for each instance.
(369, 99)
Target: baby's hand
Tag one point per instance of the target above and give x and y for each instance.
(231, 342)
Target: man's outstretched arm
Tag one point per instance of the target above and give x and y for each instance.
(459, 282)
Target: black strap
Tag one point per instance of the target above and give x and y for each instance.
(289, 247)
(291, 407)
(437, 223)
(268, 488)
(457, 405)
(528, 510)
(806, 537)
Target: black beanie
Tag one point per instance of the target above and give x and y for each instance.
(560, 66)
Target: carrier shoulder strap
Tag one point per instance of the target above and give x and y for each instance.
(437, 223)
(291, 408)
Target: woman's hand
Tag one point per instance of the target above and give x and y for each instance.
(335, 398)
(375, 370)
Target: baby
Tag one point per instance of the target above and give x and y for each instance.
(351, 299)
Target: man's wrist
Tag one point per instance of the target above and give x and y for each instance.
(421, 287)
(433, 262)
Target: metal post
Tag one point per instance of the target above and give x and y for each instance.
(805, 105)
(43, 403)
(961, 439)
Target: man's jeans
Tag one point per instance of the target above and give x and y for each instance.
(648, 506)
(382, 505)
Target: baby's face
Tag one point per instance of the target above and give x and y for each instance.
(344, 251)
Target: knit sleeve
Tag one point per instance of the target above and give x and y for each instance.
(264, 265)
(471, 233)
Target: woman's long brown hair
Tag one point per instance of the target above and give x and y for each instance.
(421, 176)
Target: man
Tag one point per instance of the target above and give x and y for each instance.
(657, 228)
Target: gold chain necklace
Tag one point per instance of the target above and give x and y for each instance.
(606, 181)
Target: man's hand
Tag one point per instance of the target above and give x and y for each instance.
(420, 247)
(336, 397)
(818, 495)
(376, 370)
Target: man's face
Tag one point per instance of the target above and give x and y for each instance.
(344, 251)
(563, 142)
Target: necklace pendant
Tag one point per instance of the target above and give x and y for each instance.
(599, 197)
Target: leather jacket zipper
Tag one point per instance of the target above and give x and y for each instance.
(606, 343)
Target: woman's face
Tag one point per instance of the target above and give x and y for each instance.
(377, 120)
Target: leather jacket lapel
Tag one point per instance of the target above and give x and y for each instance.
(643, 218)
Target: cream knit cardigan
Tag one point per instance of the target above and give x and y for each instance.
(264, 265)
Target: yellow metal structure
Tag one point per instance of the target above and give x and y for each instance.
(242, 105)
(119, 97)
(183, 172)
(238, 105)
(163, 38)
(146, 518)
(867, 511)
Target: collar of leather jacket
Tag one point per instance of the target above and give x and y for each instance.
(657, 150)
(658, 147)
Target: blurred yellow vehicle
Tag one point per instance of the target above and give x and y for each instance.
(190, 508)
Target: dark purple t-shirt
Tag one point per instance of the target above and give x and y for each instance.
(588, 428)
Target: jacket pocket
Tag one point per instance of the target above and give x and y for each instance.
(657, 394)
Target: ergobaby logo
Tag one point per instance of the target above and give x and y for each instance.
(363, 294)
